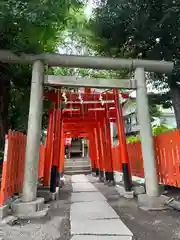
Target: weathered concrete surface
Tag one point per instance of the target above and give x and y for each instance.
(139, 190)
(92, 210)
(100, 227)
(29, 209)
(79, 178)
(4, 211)
(91, 237)
(87, 197)
(83, 187)
(54, 226)
(122, 192)
(152, 203)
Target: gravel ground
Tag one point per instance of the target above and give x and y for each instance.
(144, 225)
(54, 226)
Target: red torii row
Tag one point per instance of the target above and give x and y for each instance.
(83, 119)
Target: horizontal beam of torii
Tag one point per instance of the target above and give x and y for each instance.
(54, 59)
(72, 81)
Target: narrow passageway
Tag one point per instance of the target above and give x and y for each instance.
(91, 215)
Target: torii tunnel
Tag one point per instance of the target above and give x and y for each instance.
(85, 114)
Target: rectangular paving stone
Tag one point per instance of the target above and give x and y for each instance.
(83, 187)
(79, 178)
(99, 227)
(87, 197)
(92, 210)
(91, 237)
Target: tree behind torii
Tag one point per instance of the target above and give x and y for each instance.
(30, 27)
(145, 29)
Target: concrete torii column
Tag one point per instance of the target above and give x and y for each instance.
(34, 133)
(29, 204)
(146, 134)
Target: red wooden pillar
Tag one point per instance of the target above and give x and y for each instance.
(103, 149)
(61, 153)
(100, 151)
(122, 142)
(110, 173)
(57, 139)
(54, 165)
(92, 151)
(106, 155)
(96, 151)
(49, 148)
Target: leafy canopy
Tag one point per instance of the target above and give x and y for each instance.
(31, 27)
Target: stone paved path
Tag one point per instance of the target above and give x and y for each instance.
(91, 217)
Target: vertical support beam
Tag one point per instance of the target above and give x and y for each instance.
(149, 160)
(48, 150)
(53, 166)
(122, 142)
(106, 157)
(109, 149)
(107, 161)
(34, 133)
(83, 150)
(56, 150)
(61, 153)
(100, 151)
(97, 152)
(112, 132)
(92, 150)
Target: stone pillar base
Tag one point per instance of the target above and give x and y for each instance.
(152, 203)
(126, 194)
(28, 210)
(4, 211)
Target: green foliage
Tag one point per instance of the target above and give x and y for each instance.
(155, 130)
(160, 129)
(141, 29)
(30, 27)
(154, 110)
(132, 139)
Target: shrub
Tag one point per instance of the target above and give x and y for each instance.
(156, 131)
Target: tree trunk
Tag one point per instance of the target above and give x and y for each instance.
(175, 96)
(4, 104)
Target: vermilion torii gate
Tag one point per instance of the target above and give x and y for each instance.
(87, 114)
(36, 103)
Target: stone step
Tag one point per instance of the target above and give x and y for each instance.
(76, 172)
(74, 163)
(78, 167)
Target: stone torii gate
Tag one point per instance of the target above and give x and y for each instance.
(29, 200)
